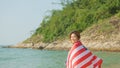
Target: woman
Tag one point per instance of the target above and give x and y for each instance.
(79, 56)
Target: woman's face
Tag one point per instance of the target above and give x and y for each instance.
(73, 38)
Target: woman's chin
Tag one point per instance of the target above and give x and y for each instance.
(72, 42)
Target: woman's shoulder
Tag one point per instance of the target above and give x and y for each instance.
(78, 43)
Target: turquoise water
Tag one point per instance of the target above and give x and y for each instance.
(110, 59)
(31, 58)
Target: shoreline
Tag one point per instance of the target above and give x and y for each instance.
(57, 45)
(66, 45)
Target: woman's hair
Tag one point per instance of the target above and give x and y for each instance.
(77, 33)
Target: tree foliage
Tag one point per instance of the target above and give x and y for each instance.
(75, 15)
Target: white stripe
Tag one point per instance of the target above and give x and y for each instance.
(76, 50)
(90, 66)
(80, 56)
(84, 62)
(97, 66)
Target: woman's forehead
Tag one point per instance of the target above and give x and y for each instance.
(73, 34)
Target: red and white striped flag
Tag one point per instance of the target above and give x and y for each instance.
(81, 57)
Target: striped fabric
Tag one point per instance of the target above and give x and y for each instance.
(81, 57)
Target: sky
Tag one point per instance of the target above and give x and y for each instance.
(18, 18)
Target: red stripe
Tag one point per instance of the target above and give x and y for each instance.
(77, 44)
(74, 47)
(89, 63)
(82, 59)
(78, 53)
(69, 61)
(71, 50)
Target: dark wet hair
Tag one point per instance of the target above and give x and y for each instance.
(77, 33)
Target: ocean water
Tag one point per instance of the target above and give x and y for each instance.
(32, 58)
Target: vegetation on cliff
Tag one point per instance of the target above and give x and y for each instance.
(75, 15)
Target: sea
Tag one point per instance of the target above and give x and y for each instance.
(34, 58)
